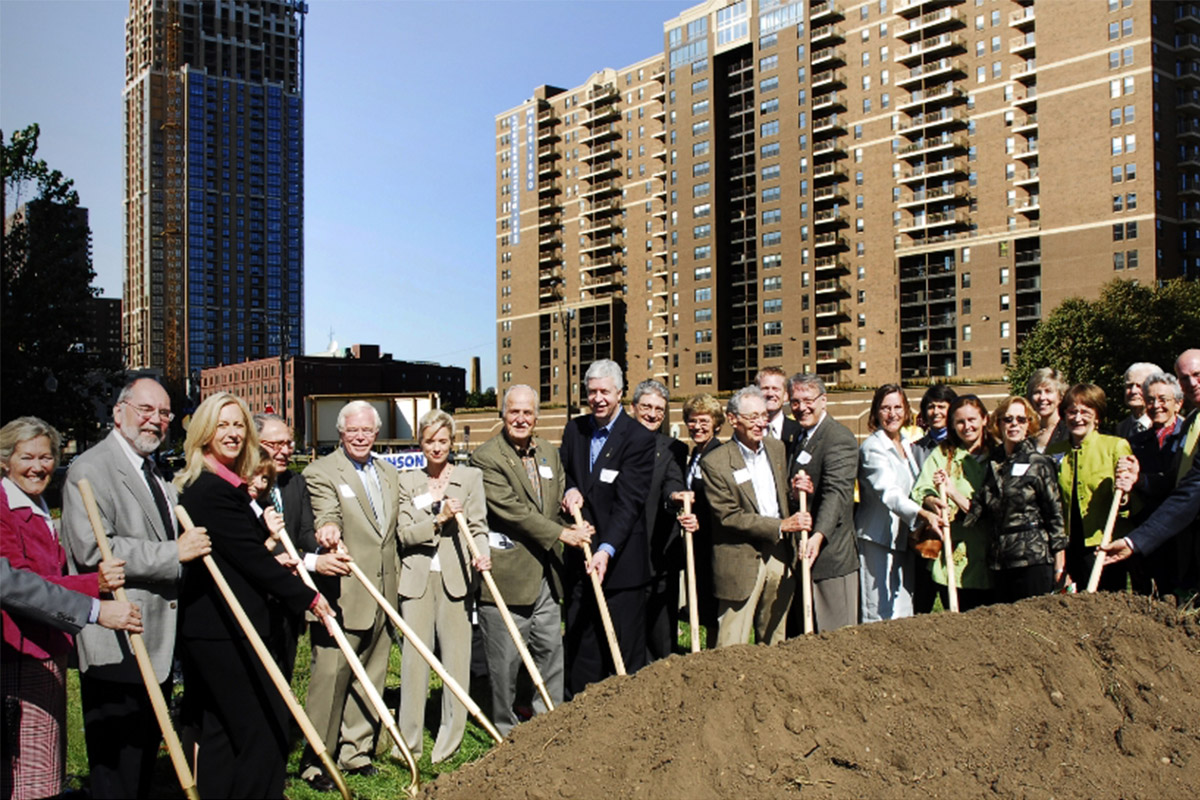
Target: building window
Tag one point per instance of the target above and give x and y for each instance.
(704, 378)
(773, 306)
(772, 328)
(1005, 328)
(772, 351)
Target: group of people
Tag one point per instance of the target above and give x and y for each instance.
(1023, 492)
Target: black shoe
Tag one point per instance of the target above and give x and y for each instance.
(322, 783)
(365, 771)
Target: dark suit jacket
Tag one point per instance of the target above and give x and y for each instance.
(29, 596)
(790, 433)
(1177, 512)
(531, 522)
(666, 548)
(238, 549)
(740, 535)
(830, 457)
(614, 503)
(297, 511)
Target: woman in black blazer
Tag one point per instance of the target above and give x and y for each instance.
(243, 742)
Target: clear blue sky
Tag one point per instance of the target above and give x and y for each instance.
(400, 100)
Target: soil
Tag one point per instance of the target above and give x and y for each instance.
(1092, 696)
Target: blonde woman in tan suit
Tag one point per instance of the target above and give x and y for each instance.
(437, 578)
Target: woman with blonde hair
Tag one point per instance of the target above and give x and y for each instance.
(1045, 391)
(437, 578)
(35, 654)
(704, 417)
(244, 730)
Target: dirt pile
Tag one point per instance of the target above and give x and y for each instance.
(1082, 696)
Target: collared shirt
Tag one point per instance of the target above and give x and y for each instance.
(694, 472)
(600, 438)
(225, 473)
(806, 433)
(18, 499)
(762, 478)
(136, 460)
(775, 426)
(528, 456)
(366, 472)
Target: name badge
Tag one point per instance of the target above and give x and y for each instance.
(500, 541)
(423, 500)
(608, 475)
(545, 471)
(804, 457)
(345, 491)
(1019, 470)
(741, 475)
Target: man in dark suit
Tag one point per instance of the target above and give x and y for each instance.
(608, 459)
(649, 407)
(772, 381)
(824, 466)
(523, 481)
(754, 546)
(1175, 516)
(289, 498)
(135, 505)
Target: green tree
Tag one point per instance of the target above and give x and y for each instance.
(484, 399)
(45, 292)
(1093, 341)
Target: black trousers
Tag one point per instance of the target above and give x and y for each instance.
(1017, 583)
(122, 736)
(586, 650)
(967, 598)
(662, 617)
(243, 720)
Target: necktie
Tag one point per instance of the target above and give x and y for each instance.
(160, 499)
(801, 439)
(373, 492)
(277, 500)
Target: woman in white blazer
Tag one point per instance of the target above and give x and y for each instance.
(886, 512)
(437, 578)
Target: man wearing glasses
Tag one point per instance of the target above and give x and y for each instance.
(289, 498)
(754, 545)
(136, 508)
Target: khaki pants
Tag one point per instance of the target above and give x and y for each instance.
(766, 609)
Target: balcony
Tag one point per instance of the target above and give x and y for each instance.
(1027, 257)
(923, 26)
(827, 34)
(601, 134)
(1026, 70)
(947, 42)
(933, 119)
(602, 152)
(830, 357)
(1029, 284)
(1030, 177)
(548, 203)
(823, 13)
(549, 187)
(830, 310)
(600, 189)
(550, 257)
(1031, 207)
(604, 208)
(1031, 311)
(602, 244)
(1022, 44)
(602, 170)
(922, 297)
(548, 151)
(601, 227)
(550, 240)
(606, 262)
(547, 134)
(1027, 151)
(828, 147)
(827, 102)
(940, 219)
(828, 55)
(830, 264)
(547, 169)
(829, 170)
(832, 286)
(829, 193)
(830, 240)
(944, 94)
(832, 333)
(942, 68)
(1026, 100)
(946, 141)
(933, 194)
(934, 169)
(830, 216)
(1022, 19)
(547, 221)
(1026, 124)
(827, 127)
(829, 77)
(600, 95)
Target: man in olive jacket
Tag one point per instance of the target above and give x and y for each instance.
(523, 481)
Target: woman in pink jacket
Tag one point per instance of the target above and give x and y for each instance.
(35, 654)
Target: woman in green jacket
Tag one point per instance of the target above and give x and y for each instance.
(960, 463)
(1091, 466)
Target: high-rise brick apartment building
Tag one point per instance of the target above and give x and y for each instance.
(868, 191)
(214, 132)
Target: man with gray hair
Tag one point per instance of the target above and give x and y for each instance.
(523, 481)
(354, 497)
(1138, 420)
(608, 459)
(754, 539)
(824, 466)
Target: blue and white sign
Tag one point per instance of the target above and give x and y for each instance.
(412, 459)
(514, 181)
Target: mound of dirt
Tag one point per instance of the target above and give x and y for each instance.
(1081, 696)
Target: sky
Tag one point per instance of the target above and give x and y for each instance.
(400, 105)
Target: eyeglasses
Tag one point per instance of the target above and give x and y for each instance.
(147, 412)
(274, 444)
(357, 431)
(649, 409)
(1009, 419)
(754, 419)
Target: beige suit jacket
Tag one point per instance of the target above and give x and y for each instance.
(420, 538)
(741, 536)
(338, 496)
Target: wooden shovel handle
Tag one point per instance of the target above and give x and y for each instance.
(605, 618)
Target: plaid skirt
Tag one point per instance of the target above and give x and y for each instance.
(34, 767)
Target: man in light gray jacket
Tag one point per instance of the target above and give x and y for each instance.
(136, 508)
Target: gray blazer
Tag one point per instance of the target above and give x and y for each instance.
(886, 512)
(338, 496)
(830, 457)
(29, 595)
(419, 538)
(136, 534)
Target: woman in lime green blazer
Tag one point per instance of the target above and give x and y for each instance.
(960, 463)
(1091, 466)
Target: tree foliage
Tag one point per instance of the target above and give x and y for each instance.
(484, 399)
(45, 295)
(1094, 341)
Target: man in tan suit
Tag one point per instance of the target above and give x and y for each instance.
(354, 504)
(523, 481)
(754, 547)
